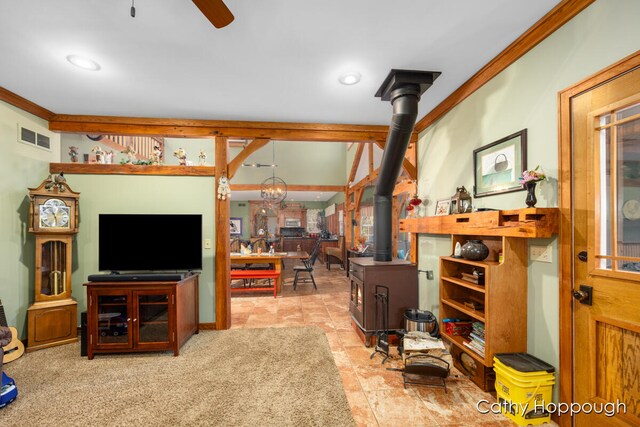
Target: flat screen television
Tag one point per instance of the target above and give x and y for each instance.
(149, 242)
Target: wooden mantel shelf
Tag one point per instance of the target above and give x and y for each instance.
(100, 169)
(528, 223)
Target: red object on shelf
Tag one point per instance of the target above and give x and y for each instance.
(409, 207)
(458, 328)
(415, 201)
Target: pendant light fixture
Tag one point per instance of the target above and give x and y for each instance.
(273, 189)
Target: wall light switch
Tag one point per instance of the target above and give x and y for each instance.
(207, 243)
(540, 253)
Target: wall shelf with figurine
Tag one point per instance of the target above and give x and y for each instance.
(129, 169)
(529, 223)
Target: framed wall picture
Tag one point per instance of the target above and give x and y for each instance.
(443, 207)
(235, 226)
(497, 166)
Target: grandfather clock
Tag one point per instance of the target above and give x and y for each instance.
(53, 218)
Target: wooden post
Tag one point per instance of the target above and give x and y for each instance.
(347, 217)
(223, 255)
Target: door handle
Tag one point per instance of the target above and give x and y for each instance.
(583, 256)
(584, 295)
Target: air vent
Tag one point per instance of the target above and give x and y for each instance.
(27, 135)
(31, 137)
(44, 141)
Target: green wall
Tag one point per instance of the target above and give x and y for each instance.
(21, 166)
(522, 96)
(299, 162)
(243, 212)
(139, 194)
(336, 199)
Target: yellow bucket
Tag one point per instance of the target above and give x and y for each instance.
(524, 386)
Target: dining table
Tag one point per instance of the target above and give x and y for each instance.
(275, 258)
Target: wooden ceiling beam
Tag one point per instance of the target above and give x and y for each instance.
(370, 158)
(406, 164)
(356, 163)
(405, 186)
(239, 159)
(366, 180)
(24, 104)
(184, 128)
(357, 198)
(556, 18)
(290, 187)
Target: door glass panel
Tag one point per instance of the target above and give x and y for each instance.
(628, 142)
(113, 323)
(634, 110)
(618, 183)
(154, 317)
(605, 192)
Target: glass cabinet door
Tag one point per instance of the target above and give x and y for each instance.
(53, 271)
(153, 316)
(113, 319)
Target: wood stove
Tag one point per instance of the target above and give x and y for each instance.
(401, 277)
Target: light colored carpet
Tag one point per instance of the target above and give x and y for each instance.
(240, 377)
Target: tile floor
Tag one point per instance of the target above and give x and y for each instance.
(376, 395)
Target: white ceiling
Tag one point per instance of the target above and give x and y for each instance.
(278, 61)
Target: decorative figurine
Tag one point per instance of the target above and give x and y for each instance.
(99, 153)
(108, 157)
(202, 157)
(130, 153)
(73, 154)
(156, 156)
(224, 190)
(457, 252)
(181, 155)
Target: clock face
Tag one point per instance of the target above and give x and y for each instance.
(54, 213)
(631, 210)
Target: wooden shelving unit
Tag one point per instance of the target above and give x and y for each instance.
(528, 223)
(128, 169)
(503, 299)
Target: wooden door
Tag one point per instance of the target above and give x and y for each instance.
(606, 250)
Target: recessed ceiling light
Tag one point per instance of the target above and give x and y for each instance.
(84, 63)
(350, 78)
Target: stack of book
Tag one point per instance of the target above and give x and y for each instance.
(476, 337)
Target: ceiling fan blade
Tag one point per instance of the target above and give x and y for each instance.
(215, 11)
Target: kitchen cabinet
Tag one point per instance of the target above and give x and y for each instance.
(290, 244)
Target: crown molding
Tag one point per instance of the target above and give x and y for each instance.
(24, 104)
(547, 25)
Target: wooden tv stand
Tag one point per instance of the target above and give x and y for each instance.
(140, 316)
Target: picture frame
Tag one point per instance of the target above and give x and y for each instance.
(497, 166)
(235, 226)
(443, 207)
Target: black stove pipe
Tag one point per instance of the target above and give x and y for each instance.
(403, 88)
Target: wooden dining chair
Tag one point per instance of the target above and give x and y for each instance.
(307, 267)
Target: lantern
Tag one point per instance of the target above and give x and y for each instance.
(461, 201)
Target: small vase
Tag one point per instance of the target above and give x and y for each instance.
(474, 250)
(531, 194)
